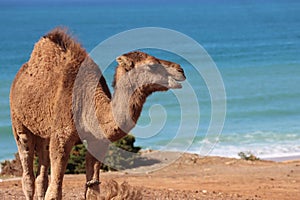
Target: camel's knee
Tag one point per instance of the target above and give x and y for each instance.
(26, 158)
(28, 182)
(25, 143)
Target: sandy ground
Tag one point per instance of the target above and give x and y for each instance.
(191, 177)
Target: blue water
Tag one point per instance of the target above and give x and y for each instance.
(255, 45)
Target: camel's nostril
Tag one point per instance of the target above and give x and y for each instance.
(180, 70)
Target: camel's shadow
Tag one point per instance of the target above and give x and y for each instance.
(144, 162)
(152, 161)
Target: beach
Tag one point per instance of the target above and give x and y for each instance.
(255, 47)
(191, 177)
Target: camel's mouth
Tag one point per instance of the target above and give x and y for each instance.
(173, 84)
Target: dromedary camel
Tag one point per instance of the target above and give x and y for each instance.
(42, 115)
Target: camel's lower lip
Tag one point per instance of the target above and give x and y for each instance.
(174, 84)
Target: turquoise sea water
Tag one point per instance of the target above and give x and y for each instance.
(255, 45)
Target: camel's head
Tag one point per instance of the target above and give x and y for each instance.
(159, 74)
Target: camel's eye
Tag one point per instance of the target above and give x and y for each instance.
(128, 68)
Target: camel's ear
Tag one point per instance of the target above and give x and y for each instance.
(124, 60)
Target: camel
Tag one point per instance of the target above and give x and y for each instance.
(42, 107)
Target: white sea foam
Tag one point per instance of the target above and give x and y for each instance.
(260, 143)
(270, 149)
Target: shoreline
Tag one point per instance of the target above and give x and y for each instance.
(290, 158)
(275, 158)
(165, 158)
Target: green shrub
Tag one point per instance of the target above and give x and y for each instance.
(76, 163)
(115, 157)
(248, 156)
(118, 159)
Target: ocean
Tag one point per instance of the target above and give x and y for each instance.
(254, 44)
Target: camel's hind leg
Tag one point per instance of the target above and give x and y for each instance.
(25, 143)
(41, 182)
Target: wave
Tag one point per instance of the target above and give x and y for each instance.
(264, 144)
(260, 150)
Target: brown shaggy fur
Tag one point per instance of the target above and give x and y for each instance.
(61, 37)
(115, 191)
(41, 101)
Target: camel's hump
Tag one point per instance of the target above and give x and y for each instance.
(63, 39)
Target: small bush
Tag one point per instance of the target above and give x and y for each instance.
(76, 163)
(12, 168)
(115, 157)
(248, 156)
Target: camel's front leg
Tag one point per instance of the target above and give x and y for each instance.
(41, 181)
(93, 164)
(25, 143)
(59, 154)
(92, 190)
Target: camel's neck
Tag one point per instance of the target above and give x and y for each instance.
(119, 114)
(127, 104)
(115, 116)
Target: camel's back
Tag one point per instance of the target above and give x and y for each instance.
(45, 82)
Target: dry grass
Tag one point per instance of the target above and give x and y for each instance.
(112, 190)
